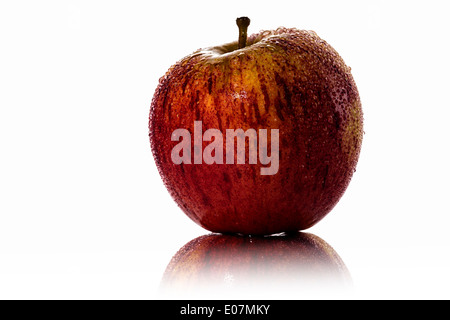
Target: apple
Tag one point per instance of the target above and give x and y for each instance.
(257, 136)
(300, 261)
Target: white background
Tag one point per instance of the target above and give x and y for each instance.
(83, 211)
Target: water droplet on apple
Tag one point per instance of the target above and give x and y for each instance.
(330, 119)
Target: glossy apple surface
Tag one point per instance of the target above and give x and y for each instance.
(286, 79)
(297, 262)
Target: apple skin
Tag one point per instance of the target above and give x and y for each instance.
(299, 261)
(285, 79)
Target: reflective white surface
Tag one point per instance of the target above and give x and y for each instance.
(83, 211)
(219, 266)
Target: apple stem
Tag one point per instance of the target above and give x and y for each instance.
(242, 23)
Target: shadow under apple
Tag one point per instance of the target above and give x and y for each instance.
(216, 265)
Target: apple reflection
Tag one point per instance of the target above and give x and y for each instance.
(215, 264)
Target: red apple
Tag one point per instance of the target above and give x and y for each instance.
(285, 93)
(297, 262)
